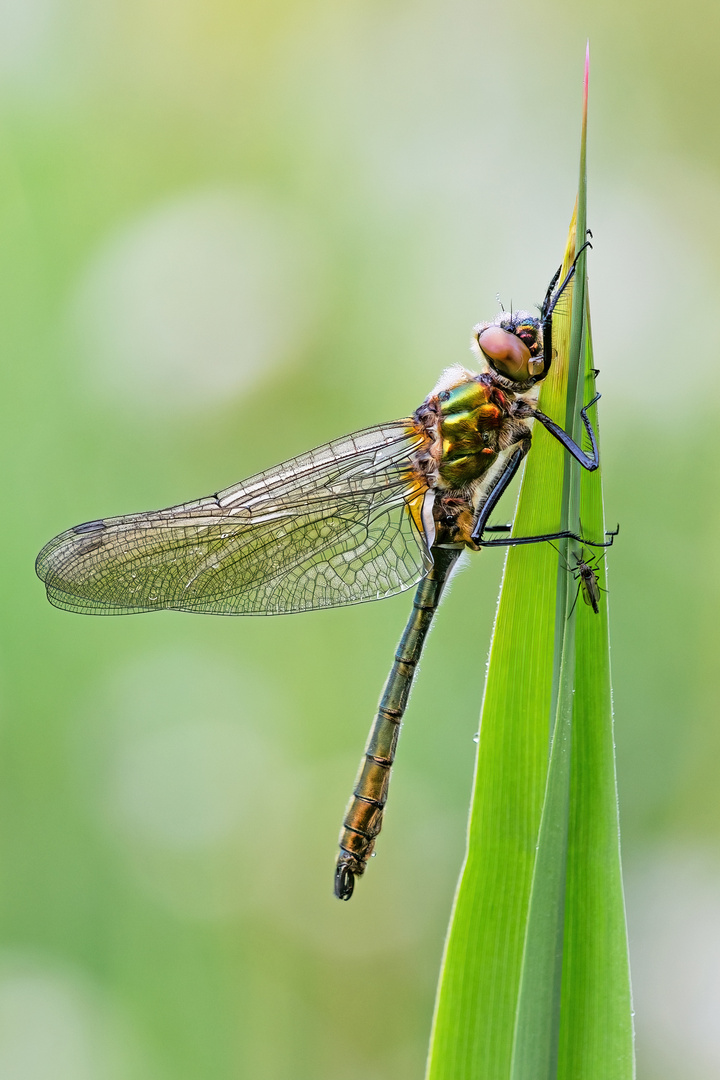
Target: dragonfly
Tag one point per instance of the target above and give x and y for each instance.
(358, 519)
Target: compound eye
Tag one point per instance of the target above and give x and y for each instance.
(506, 352)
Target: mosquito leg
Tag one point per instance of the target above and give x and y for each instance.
(576, 598)
(588, 461)
(498, 528)
(564, 563)
(599, 558)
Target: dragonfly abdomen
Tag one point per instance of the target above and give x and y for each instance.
(364, 816)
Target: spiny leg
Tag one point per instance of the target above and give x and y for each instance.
(565, 534)
(552, 302)
(548, 306)
(588, 461)
(511, 467)
(549, 294)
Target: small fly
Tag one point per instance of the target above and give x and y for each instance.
(358, 519)
(585, 573)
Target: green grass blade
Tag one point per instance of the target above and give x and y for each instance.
(535, 979)
(535, 1047)
(596, 1036)
(536, 1036)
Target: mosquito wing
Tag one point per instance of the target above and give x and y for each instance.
(328, 528)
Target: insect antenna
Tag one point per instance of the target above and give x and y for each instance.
(565, 565)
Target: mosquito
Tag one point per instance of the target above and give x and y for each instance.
(585, 572)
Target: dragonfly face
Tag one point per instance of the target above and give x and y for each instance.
(512, 347)
(360, 518)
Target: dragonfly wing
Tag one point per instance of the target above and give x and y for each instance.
(328, 528)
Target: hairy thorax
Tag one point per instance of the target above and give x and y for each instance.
(464, 424)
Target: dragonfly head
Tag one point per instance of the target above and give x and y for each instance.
(511, 345)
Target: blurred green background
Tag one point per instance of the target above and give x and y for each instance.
(229, 232)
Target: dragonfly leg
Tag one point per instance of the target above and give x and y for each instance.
(588, 461)
(551, 300)
(565, 534)
(546, 311)
(364, 816)
(511, 467)
(548, 306)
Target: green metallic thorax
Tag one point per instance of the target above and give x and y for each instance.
(471, 415)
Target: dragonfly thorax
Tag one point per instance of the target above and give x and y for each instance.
(466, 423)
(470, 422)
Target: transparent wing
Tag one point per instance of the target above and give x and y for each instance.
(328, 528)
